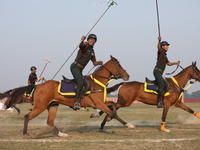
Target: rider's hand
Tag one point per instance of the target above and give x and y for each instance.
(83, 38)
(100, 62)
(159, 38)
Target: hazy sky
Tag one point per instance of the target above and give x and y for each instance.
(34, 29)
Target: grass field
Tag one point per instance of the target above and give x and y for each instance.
(84, 131)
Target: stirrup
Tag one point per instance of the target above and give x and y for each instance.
(160, 105)
(76, 106)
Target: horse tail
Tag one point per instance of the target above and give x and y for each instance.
(14, 97)
(4, 95)
(114, 88)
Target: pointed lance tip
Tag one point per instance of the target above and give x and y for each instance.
(112, 3)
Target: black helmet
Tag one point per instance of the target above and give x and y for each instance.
(93, 36)
(33, 68)
(164, 43)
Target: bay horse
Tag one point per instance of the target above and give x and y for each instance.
(24, 98)
(132, 91)
(46, 95)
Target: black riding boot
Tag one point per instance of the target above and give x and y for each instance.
(160, 99)
(78, 97)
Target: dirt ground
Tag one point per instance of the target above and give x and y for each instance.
(84, 131)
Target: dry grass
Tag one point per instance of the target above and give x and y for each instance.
(84, 132)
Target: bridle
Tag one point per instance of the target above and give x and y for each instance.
(113, 76)
(195, 69)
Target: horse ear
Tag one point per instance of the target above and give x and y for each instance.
(111, 56)
(194, 63)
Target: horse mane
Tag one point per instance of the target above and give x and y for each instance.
(101, 67)
(14, 97)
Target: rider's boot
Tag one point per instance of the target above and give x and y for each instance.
(160, 99)
(78, 97)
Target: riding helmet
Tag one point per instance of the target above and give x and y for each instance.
(33, 68)
(93, 36)
(164, 43)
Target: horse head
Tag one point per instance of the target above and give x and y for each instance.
(195, 74)
(117, 70)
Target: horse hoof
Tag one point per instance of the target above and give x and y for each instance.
(60, 134)
(94, 115)
(166, 130)
(129, 125)
(26, 136)
(100, 130)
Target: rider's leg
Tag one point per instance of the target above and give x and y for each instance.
(160, 81)
(78, 77)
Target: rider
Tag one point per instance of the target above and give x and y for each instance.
(162, 60)
(33, 77)
(85, 53)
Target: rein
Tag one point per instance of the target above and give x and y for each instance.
(174, 70)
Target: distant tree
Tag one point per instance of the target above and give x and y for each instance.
(192, 95)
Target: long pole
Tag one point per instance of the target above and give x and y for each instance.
(48, 61)
(113, 2)
(158, 18)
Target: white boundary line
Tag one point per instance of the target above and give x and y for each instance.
(96, 141)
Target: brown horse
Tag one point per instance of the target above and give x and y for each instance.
(132, 91)
(46, 95)
(22, 99)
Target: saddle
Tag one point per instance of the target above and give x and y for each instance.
(152, 86)
(68, 87)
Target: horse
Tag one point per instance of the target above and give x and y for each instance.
(22, 99)
(46, 95)
(132, 91)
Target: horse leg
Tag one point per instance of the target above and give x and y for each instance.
(115, 116)
(97, 114)
(52, 109)
(101, 112)
(107, 118)
(35, 112)
(186, 108)
(164, 115)
(103, 123)
(109, 104)
(18, 110)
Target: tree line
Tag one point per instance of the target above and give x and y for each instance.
(186, 94)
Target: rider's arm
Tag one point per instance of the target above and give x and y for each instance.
(158, 46)
(173, 63)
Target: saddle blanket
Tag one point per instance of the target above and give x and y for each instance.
(67, 89)
(151, 88)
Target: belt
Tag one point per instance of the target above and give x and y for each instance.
(158, 69)
(79, 65)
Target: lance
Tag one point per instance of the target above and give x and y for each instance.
(111, 4)
(47, 61)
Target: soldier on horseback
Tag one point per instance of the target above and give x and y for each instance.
(162, 61)
(32, 78)
(85, 53)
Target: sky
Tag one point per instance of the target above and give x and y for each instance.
(31, 30)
